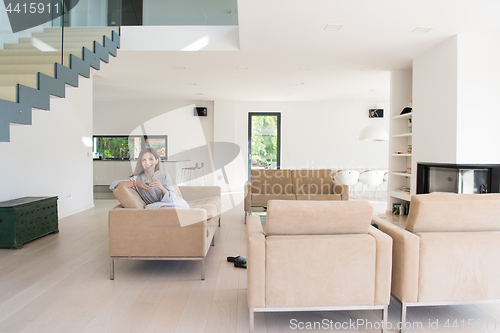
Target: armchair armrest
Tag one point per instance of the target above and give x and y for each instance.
(343, 190)
(199, 192)
(248, 195)
(256, 263)
(405, 260)
(383, 266)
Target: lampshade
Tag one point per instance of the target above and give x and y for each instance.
(374, 133)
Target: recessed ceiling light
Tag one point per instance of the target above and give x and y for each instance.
(242, 67)
(192, 84)
(293, 84)
(334, 27)
(304, 68)
(199, 94)
(179, 67)
(422, 30)
(287, 94)
(366, 69)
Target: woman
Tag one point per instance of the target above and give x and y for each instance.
(154, 186)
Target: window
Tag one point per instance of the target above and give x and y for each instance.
(264, 140)
(127, 147)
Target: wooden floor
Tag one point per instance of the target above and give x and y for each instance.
(60, 283)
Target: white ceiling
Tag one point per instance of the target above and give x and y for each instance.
(278, 37)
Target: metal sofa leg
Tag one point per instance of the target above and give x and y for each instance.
(403, 317)
(219, 221)
(213, 241)
(111, 269)
(252, 315)
(385, 312)
(203, 269)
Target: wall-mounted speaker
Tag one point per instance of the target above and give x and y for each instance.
(376, 113)
(200, 111)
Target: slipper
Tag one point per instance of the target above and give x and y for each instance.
(232, 259)
(240, 260)
(240, 265)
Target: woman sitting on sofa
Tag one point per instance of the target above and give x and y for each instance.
(154, 186)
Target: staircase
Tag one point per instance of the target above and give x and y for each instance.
(31, 70)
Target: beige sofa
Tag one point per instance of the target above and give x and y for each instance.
(317, 256)
(296, 184)
(449, 252)
(164, 234)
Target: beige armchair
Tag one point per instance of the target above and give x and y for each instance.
(448, 253)
(317, 256)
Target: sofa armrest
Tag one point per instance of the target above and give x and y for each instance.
(405, 260)
(256, 263)
(383, 266)
(343, 190)
(248, 195)
(158, 232)
(199, 192)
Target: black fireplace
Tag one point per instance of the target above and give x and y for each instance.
(458, 178)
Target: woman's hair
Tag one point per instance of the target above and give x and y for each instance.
(139, 168)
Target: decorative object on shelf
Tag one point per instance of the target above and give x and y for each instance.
(374, 133)
(376, 113)
(200, 111)
(406, 110)
(403, 189)
(409, 149)
(409, 126)
(408, 171)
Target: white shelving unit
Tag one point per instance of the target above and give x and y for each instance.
(400, 139)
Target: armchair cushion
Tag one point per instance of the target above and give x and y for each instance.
(330, 217)
(128, 197)
(445, 212)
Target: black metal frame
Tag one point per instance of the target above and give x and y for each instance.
(423, 174)
(278, 124)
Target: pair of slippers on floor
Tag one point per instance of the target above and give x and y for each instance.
(239, 261)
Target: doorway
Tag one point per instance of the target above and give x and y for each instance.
(264, 140)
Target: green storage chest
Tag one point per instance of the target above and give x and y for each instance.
(25, 219)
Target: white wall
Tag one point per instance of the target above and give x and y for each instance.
(175, 119)
(314, 134)
(52, 157)
(456, 90)
(478, 91)
(435, 104)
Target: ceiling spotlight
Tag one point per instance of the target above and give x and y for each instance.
(366, 69)
(199, 94)
(304, 68)
(336, 27)
(192, 84)
(422, 30)
(242, 67)
(179, 67)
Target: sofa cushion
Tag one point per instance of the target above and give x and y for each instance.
(264, 198)
(313, 181)
(128, 197)
(210, 204)
(318, 217)
(271, 181)
(443, 212)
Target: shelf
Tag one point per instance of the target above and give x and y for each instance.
(404, 135)
(404, 155)
(400, 195)
(403, 116)
(404, 174)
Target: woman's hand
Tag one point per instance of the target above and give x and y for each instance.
(142, 185)
(156, 183)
